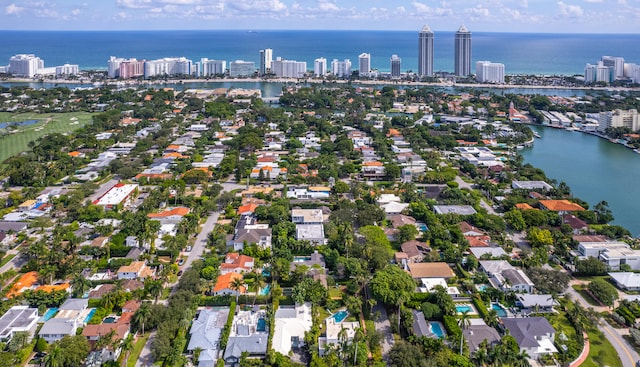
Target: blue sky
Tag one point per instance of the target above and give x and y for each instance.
(565, 16)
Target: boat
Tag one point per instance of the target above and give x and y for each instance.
(535, 133)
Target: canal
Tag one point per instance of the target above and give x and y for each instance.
(594, 168)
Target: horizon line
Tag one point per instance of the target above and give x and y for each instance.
(417, 30)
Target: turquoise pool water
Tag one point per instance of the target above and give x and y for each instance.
(89, 316)
(340, 316)
(500, 311)
(463, 308)
(262, 325)
(264, 291)
(110, 320)
(482, 287)
(50, 313)
(436, 328)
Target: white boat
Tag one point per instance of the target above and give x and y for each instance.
(535, 133)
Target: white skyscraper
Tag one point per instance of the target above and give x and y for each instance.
(341, 69)
(632, 71)
(463, 52)
(266, 58)
(288, 68)
(616, 64)
(364, 64)
(604, 73)
(489, 72)
(25, 65)
(425, 52)
(213, 67)
(67, 69)
(590, 72)
(395, 66)
(320, 67)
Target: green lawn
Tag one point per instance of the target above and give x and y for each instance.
(6, 259)
(18, 140)
(137, 349)
(600, 353)
(587, 297)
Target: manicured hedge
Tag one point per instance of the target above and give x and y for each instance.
(480, 306)
(224, 337)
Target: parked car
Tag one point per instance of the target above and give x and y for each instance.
(180, 261)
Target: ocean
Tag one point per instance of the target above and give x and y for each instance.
(522, 53)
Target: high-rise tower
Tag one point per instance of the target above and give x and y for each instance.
(425, 52)
(266, 58)
(395, 66)
(463, 52)
(364, 64)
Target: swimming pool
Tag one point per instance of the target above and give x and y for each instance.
(264, 291)
(89, 316)
(262, 325)
(464, 308)
(300, 259)
(110, 320)
(340, 316)
(500, 311)
(436, 328)
(482, 287)
(50, 313)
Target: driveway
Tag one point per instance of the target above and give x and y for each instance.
(145, 355)
(384, 327)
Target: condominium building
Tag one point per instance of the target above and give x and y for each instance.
(463, 52)
(619, 118)
(632, 71)
(131, 68)
(213, 67)
(395, 66)
(425, 52)
(288, 68)
(341, 69)
(167, 66)
(489, 72)
(266, 58)
(67, 69)
(364, 64)
(320, 67)
(25, 65)
(616, 64)
(239, 68)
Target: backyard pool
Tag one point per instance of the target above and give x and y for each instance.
(264, 291)
(500, 311)
(49, 314)
(262, 325)
(110, 320)
(464, 308)
(89, 316)
(482, 287)
(300, 259)
(340, 316)
(436, 328)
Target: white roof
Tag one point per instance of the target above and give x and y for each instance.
(291, 322)
(116, 194)
(626, 279)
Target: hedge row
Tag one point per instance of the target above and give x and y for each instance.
(480, 306)
(224, 336)
(451, 325)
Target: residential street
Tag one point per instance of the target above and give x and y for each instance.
(628, 355)
(145, 355)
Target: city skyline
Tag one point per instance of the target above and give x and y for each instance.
(541, 16)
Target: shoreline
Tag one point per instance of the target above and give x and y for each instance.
(116, 82)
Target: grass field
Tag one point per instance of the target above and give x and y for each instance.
(18, 141)
(601, 352)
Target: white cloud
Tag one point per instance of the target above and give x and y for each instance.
(75, 12)
(13, 9)
(479, 11)
(327, 6)
(573, 11)
(134, 4)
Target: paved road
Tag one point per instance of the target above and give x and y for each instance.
(145, 355)
(465, 185)
(384, 326)
(627, 354)
(201, 240)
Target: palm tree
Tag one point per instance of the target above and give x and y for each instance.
(126, 345)
(154, 287)
(55, 357)
(491, 318)
(258, 283)
(521, 359)
(463, 321)
(80, 284)
(237, 285)
(142, 315)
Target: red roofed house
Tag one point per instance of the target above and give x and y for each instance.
(175, 213)
(373, 170)
(247, 209)
(120, 328)
(223, 285)
(560, 206)
(236, 263)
